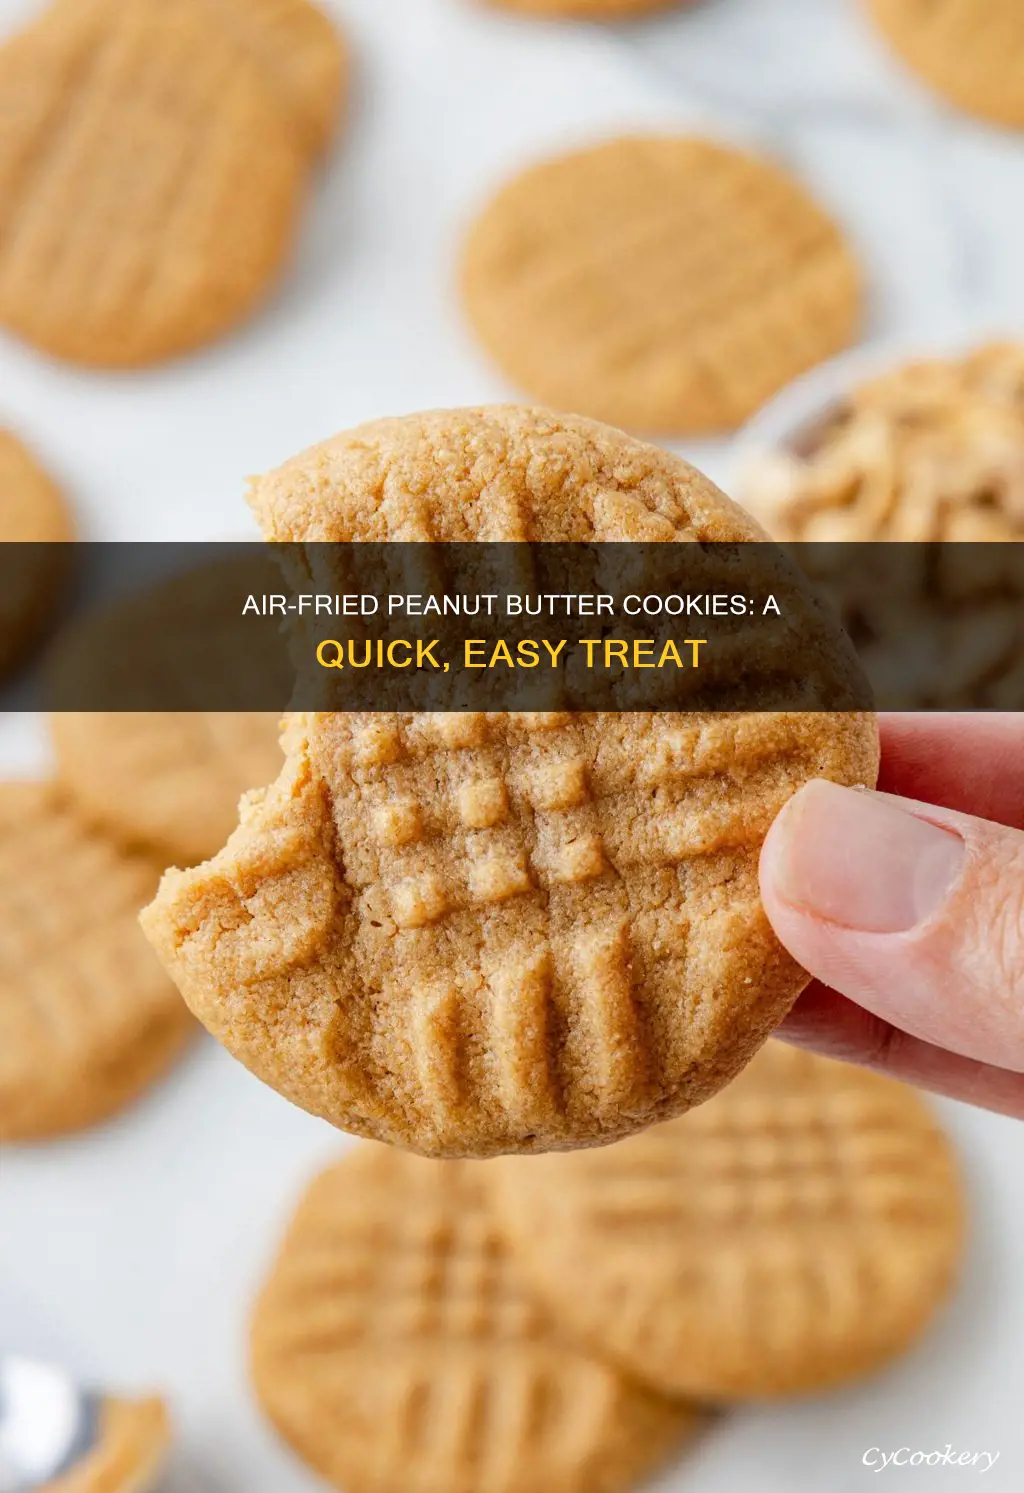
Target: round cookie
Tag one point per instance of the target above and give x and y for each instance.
(668, 285)
(396, 1349)
(294, 44)
(134, 1441)
(150, 182)
(971, 54)
(797, 1231)
(88, 1020)
(471, 934)
(32, 512)
(170, 782)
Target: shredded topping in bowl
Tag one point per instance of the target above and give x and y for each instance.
(931, 451)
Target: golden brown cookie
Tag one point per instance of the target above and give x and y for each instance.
(167, 781)
(396, 1348)
(32, 513)
(135, 1438)
(799, 1230)
(668, 285)
(150, 180)
(468, 934)
(295, 45)
(972, 54)
(88, 1020)
(302, 51)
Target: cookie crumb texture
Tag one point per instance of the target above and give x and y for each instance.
(973, 55)
(395, 1346)
(150, 180)
(476, 934)
(798, 1231)
(134, 1443)
(88, 1018)
(668, 285)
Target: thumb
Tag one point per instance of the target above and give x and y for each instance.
(914, 912)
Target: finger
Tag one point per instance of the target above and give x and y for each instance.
(973, 763)
(827, 1023)
(914, 912)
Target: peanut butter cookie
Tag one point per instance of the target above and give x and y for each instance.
(150, 180)
(971, 54)
(799, 1230)
(88, 1020)
(476, 933)
(169, 782)
(396, 1348)
(295, 45)
(668, 285)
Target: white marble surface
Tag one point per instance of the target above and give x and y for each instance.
(135, 1250)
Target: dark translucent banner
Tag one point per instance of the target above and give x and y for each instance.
(751, 627)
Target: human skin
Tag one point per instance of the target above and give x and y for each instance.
(907, 906)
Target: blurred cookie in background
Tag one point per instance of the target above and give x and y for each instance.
(34, 516)
(396, 1347)
(295, 44)
(131, 1452)
(151, 179)
(169, 782)
(797, 1231)
(665, 285)
(970, 53)
(303, 54)
(88, 1020)
(169, 779)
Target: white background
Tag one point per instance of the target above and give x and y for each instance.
(135, 1251)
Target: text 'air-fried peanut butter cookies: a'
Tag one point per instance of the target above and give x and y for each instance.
(469, 934)
(396, 1347)
(796, 1232)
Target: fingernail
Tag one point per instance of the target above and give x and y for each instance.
(861, 861)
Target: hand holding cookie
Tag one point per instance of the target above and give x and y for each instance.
(470, 934)
(911, 913)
